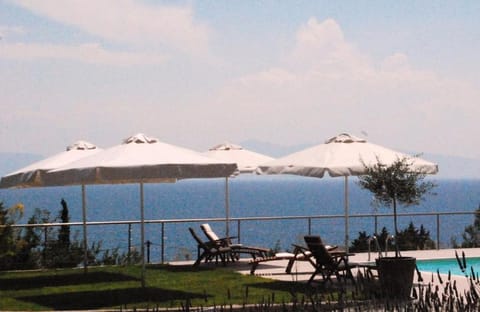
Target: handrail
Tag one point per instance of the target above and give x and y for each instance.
(309, 219)
(269, 218)
(369, 241)
(387, 239)
(377, 245)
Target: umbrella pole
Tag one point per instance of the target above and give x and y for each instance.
(142, 234)
(84, 216)
(227, 209)
(346, 214)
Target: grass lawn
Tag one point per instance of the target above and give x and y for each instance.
(116, 287)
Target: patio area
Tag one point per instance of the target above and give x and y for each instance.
(302, 270)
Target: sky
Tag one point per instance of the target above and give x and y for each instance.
(403, 74)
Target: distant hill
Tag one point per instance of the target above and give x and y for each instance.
(10, 162)
(273, 150)
(450, 167)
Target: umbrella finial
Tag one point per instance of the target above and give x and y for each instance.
(226, 147)
(345, 138)
(140, 138)
(81, 145)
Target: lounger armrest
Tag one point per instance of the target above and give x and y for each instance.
(329, 248)
(341, 256)
(210, 244)
(226, 239)
(367, 265)
(301, 252)
(299, 247)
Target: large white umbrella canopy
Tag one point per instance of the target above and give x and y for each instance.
(140, 159)
(343, 155)
(32, 175)
(247, 161)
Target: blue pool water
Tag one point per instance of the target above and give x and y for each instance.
(445, 265)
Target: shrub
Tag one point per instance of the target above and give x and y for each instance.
(471, 235)
(411, 238)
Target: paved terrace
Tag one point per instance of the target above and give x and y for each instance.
(302, 270)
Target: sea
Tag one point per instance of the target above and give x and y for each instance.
(250, 196)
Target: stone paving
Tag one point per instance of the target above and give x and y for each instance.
(302, 269)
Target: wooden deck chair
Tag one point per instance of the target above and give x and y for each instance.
(212, 236)
(208, 251)
(328, 263)
(300, 253)
(237, 249)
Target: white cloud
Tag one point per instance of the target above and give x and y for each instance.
(277, 76)
(88, 53)
(322, 47)
(323, 85)
(396, 62)
(128, 21)
(6, 31)
(326, 86)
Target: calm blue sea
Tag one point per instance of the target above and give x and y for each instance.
(250, 196)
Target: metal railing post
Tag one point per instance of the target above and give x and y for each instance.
(163, 242)
(129, 251)
(438, 231)
(238, 231)
(45, 236)
(309, 226)
(148, 243)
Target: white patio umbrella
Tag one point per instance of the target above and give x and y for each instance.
(33, 175)
(247, 161)
(343, 155)
(140, 159)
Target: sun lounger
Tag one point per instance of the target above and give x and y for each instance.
(208, 251)
(278, 256)
(237, 249)
(213, 237)
(300, 253)
(328, 263)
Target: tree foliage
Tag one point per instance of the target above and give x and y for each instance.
(471, 235)
(410, 238)
(396, 183)
(46, 246)
(64, 233)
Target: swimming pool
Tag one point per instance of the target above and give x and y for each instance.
(444, 265)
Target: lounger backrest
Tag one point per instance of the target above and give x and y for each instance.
(318, 249)
(209, 232)
(199, 241)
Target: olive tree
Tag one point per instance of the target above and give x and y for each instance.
(396, 183)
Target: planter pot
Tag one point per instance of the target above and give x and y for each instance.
(396, 276)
